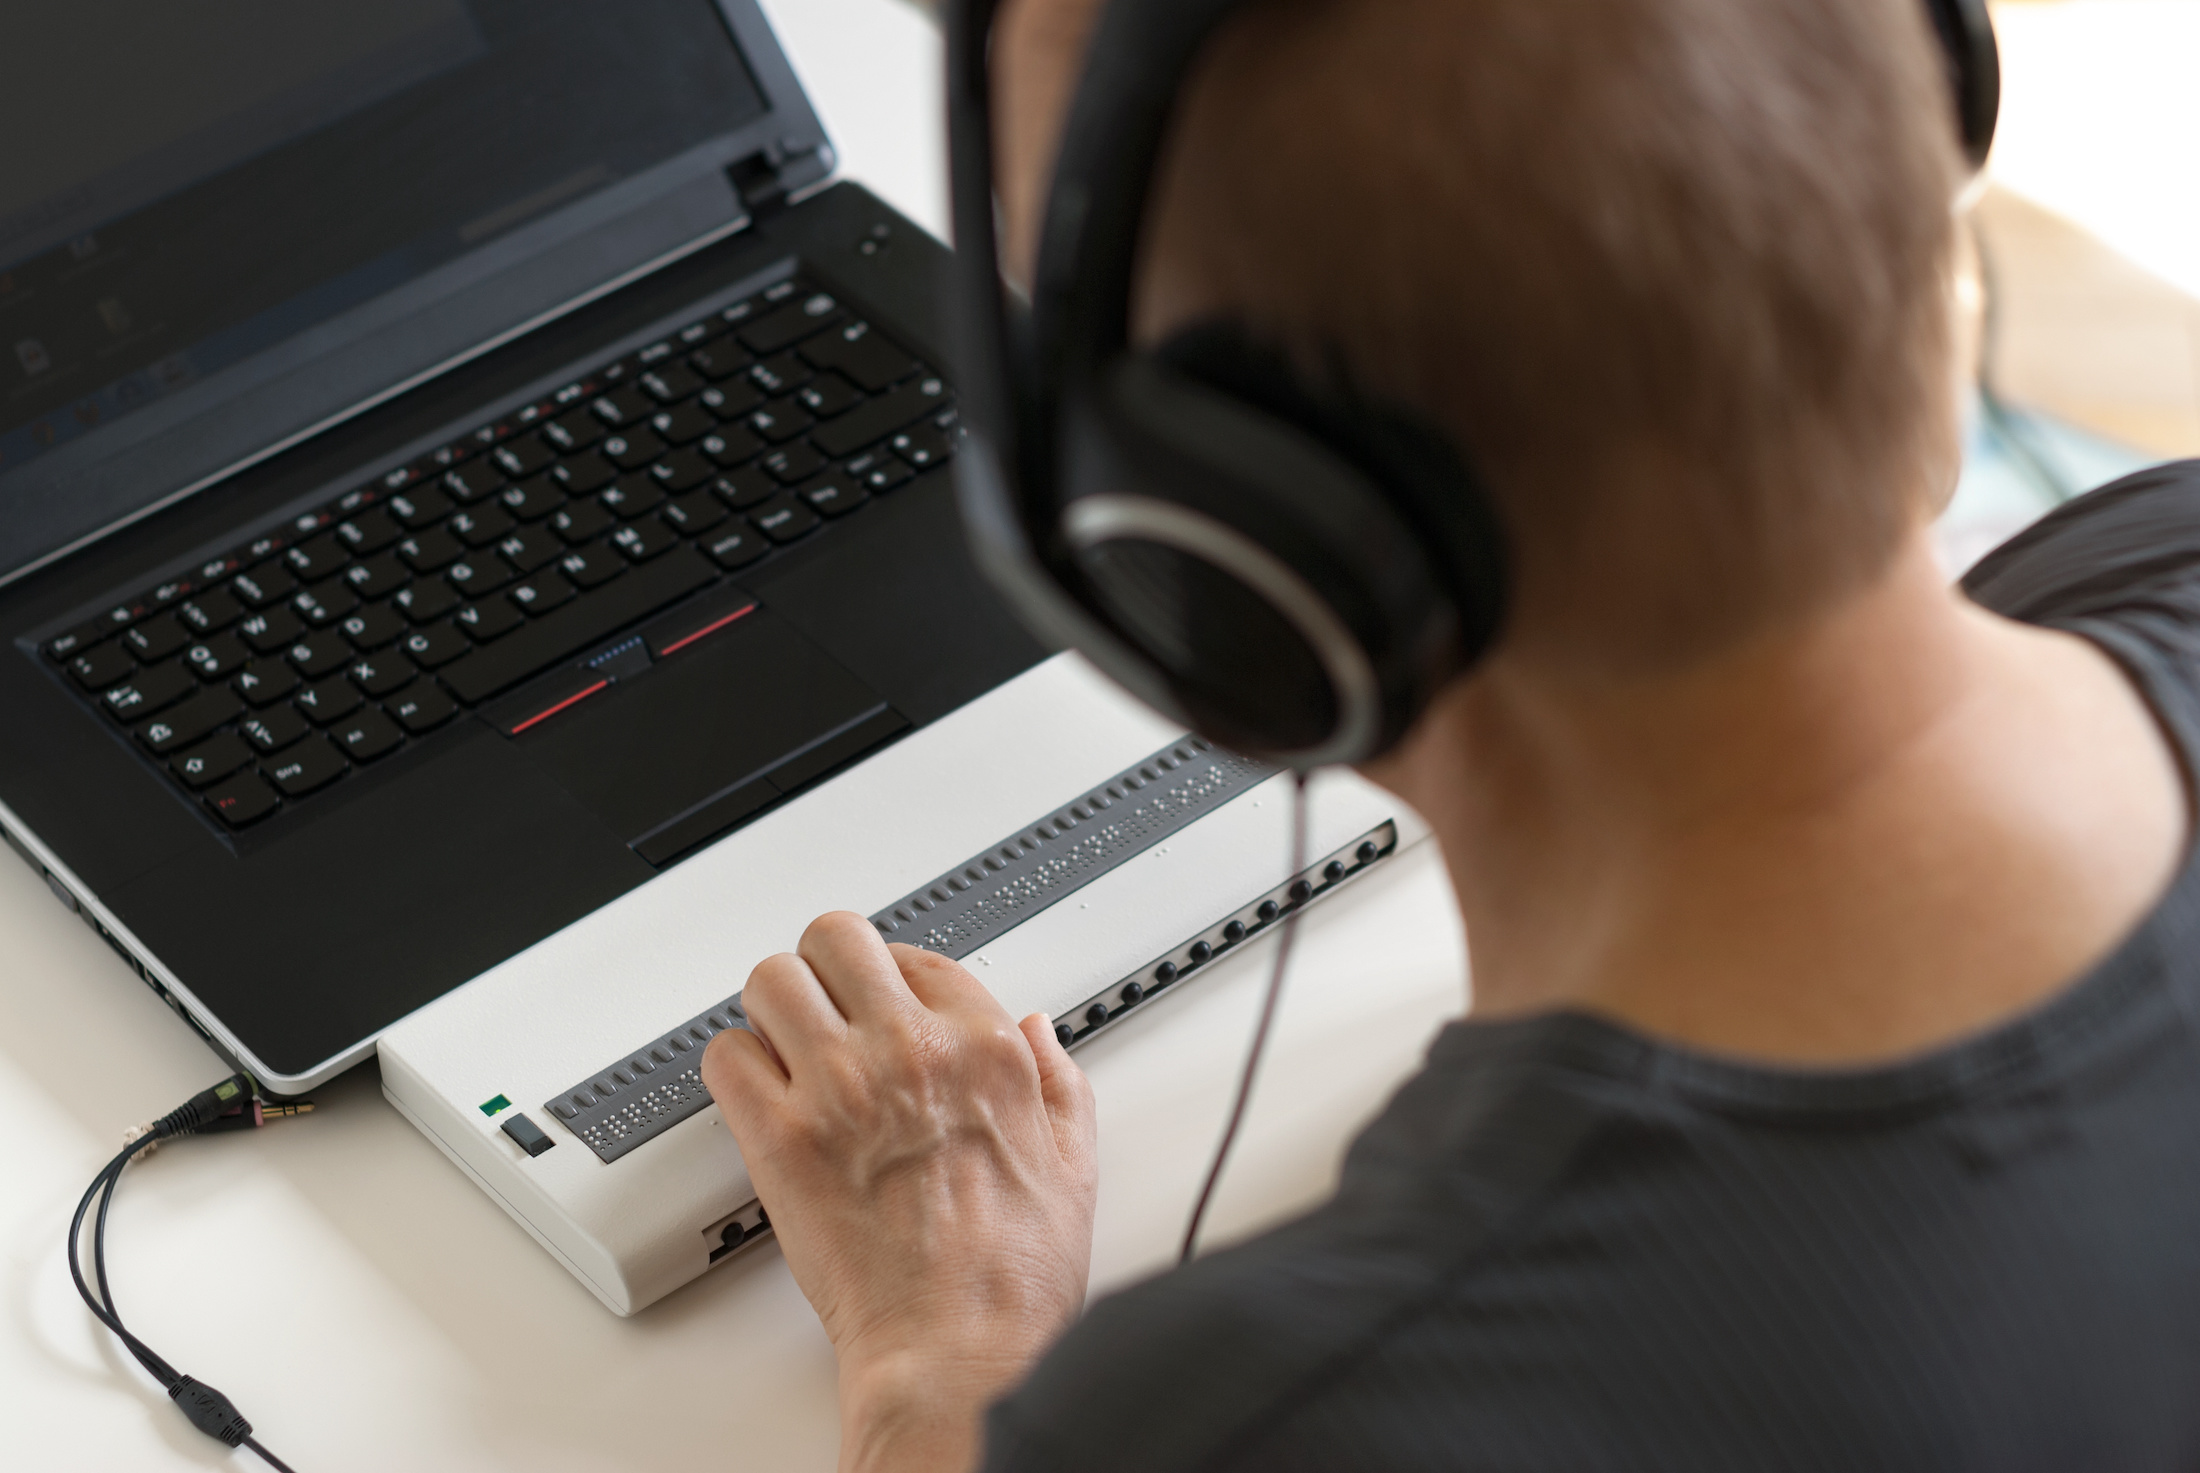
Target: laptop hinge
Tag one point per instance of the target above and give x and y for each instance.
(760, 181)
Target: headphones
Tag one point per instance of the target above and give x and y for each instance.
(1294, 574)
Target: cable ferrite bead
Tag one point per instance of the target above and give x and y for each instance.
(210, 1411)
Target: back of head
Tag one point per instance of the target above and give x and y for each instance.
(1671, 271)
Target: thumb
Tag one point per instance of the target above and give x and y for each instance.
(1066, 1091)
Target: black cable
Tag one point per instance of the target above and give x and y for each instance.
(1267, 1019)
(227, 1106)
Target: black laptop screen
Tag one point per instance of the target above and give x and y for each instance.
(189, 183)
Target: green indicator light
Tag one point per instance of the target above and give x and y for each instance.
(499, 1103)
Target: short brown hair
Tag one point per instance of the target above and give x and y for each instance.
(1674, 272)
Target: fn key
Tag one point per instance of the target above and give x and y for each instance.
(242, 800)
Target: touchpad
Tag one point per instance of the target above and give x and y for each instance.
(690, 746)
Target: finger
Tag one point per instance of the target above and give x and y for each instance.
(1067, 1093)
(788, 1007)
(942, 985)
(743, 1077)
(850, 960)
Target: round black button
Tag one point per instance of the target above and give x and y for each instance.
(1063, 1034)
(1367, 853)
(1166, 972)
(1235, 931)
(1333, 871)
(1097, 1014)
(1269, 910)
(1301, 892)
(1201, 951)
(1133, 993)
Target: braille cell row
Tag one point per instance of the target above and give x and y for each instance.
(631, 1102)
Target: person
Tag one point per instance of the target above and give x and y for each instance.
(1830, 1094)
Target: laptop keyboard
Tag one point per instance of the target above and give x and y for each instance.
(371, 623)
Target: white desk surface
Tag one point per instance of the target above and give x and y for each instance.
(369, 1308)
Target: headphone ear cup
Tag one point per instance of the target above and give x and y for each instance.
(1973, 58)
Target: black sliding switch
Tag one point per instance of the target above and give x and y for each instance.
(528, 1134)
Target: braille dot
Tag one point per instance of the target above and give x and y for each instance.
(1201, 951)
(1097, 1014)
(1235, 931)
(1269, 910)
(1166, 972)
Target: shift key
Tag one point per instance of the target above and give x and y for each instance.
(570, 630)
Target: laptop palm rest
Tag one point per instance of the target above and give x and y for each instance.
(686, 748)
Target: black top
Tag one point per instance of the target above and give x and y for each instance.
(1564, 1246)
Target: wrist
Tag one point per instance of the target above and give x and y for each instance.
(918, 1410)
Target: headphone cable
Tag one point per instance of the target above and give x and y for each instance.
(1298, 896)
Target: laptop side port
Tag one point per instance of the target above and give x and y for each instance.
(743, 1229)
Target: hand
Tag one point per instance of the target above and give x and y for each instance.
(928, 1166)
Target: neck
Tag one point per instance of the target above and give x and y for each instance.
(1847, 840)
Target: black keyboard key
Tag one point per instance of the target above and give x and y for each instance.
(721, 360)
(573, 432)
(732, 446)
(531, 500)
(632, 449)
(923, 447)
(486, 621)
(480, 526)
(694, 514)
(700, 332)
(793, 464)
(191, 722)
(317, 557)
(732, 401)
(526, 456)
(584, 622)
(736, 549)
(430, 550)
(157, 638)
(102, 667)
(876, 420)
(367, 736)
(779, 421)
(378, 675)
(862, 355)
(330, 700)
(688, 422)
(320, 652)
(210, 761)
(424, 506)
(582, 521)
(264, 682)
(880, 472)
(373, 627)
(369, 532)
(479, 574)
(271, 631)
(784, 518)
(209, 612)
(422, 708)
(243, 801)
(378, 577)
(643, 540)
(66, 647)
(744, 489)
(324, 603)
(266, 584)
(634, 496)
(541, 593)
(530, 547)
(682, 470)
(624, 406)
(150, 690)
(591, 567)
(468, 485)
(791, 324)
(827, 395)
(669, 383)
(834, 495)
(306, 768)
(218, 658)
(782, 374)
(273, 729)
(584, 475)
(438, 644)
(424, 603)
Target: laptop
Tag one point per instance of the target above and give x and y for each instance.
(479, 569)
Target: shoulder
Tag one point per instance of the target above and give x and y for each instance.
(2091, 556)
